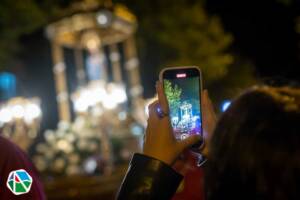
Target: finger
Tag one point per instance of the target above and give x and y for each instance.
(209, 119)
(188, 142)
(207, 106)
(152, 105)
(146, 135)
(162, 97)
(204, 98)
(152, 108)
(204, 105)
(210, 107)
(151, 119)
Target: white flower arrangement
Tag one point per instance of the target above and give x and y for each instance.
(77, 147)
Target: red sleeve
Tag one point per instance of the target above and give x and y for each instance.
(13, 158)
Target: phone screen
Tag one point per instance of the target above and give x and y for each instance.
(182, 88)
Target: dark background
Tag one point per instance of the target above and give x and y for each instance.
(264, 33)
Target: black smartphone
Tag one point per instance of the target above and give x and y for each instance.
(183, 86)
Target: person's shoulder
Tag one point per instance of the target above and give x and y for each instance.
(13, 159)
(5, 143)
(11, 155)
(8, 148)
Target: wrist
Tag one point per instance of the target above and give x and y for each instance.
(165, 159)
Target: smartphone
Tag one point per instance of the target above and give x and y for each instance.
(183, 86)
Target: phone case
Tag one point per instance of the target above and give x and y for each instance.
(181, 67)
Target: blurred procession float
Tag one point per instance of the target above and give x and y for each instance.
(107, 108)
(101, 123)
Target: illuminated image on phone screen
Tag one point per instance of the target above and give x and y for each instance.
(183, 94)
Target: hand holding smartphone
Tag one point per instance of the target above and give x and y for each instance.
(182, 87)
(159, 141)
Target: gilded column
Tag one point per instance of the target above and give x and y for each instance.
(59, 69)
(115, 62)
(132, 68)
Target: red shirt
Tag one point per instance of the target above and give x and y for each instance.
(191, 188)
(13, 158)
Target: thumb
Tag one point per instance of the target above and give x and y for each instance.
(188, 142)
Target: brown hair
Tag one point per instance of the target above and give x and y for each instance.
(255, 149)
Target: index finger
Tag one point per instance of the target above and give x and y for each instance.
(163, 101)
(152, 109)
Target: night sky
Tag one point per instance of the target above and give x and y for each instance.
(263, 30)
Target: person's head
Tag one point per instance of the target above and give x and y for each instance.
(255, 149)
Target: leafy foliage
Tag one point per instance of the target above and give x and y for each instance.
(182, 33)
(20, 17)
(16, 18)
(198, 39)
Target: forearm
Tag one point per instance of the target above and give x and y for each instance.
(148, 178)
